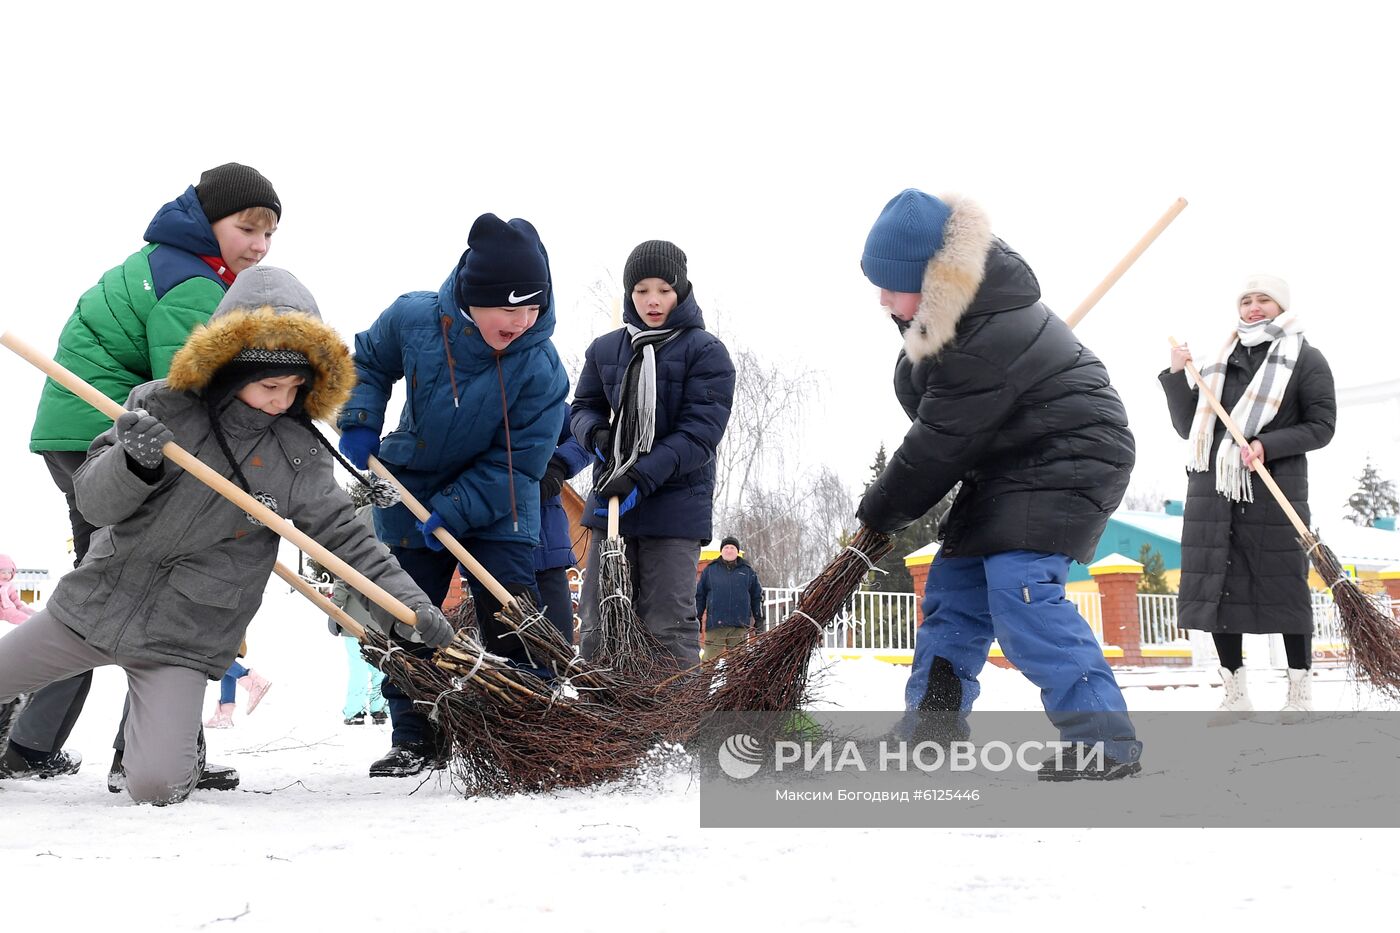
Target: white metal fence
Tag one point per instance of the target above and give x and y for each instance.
(888, 622)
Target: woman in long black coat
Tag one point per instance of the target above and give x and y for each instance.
(1242, 571)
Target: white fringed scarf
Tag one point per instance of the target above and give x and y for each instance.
(1256, 407)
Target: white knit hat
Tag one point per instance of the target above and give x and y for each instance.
(1271, 285)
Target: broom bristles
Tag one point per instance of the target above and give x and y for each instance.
(1373, 637)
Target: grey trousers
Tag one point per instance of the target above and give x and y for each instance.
(162, 732)
(52, 712)
(663, 594)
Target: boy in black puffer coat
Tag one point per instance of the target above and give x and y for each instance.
(1006, 401)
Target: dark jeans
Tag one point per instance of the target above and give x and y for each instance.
(553, 585)
(513, 566)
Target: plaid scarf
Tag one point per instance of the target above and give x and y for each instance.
(1256, 407)
(634, 427)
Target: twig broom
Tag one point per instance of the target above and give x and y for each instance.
(1373, 636)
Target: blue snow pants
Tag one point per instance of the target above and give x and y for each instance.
(1018, 598)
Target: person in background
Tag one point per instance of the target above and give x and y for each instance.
(1242, 571)
(729, 598)
(555, 555)
(253, 684)
(13, 609)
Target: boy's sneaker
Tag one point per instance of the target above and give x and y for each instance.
(15, 766)
(379, 718)
(1068, 765)
(402, 761)
(356, 720)
(211, 777)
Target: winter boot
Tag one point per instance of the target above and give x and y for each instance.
(379, 718)
(1078, 762)
(116, 775)
(356, 720)
(222, 718)
(217, 777)
(14, 764)
(9, 715)
(1236, 706)
(211, 776)
(403, 761)
(255, 685)
(1299, 697)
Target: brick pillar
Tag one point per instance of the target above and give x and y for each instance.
(1390, 578)
(920, 574)
(1117, 579)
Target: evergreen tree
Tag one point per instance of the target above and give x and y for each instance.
(1154, 571)
(921, 533)
(1375, 498)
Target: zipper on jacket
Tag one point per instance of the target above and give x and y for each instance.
(510, 460)
(451, 365)
(1026, 594)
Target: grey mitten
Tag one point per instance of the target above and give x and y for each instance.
(430, 627)
(142, 435)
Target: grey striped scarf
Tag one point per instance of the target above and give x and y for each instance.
(1256, 407)
(634, 426)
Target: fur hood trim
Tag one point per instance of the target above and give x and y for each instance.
(951, 279)
(213, 345)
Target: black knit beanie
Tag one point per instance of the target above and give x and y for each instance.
(505, 265)
(730, 539)
(229, 188)
(657, 259)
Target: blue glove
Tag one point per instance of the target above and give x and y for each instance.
(359, 443)
(623, 487)
(433, 523)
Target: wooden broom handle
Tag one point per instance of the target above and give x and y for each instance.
(464, 557)
(1078, 314)
(195, 467)
(1298, 524)
(342, 618)
(613, 518)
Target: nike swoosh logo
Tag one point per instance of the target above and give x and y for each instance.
(513, 298)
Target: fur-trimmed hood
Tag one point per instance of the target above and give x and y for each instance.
(212, 346)
(972, 271)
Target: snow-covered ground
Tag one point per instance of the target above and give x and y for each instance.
(309, 841)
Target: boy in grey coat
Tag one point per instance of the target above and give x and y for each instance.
(175, 571)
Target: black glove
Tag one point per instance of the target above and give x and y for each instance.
(619, 486)
(602, 442)
(430, 627)
(142, 435)
(554, 476)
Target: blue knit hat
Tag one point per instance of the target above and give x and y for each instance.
(905, 236)
(505, 265)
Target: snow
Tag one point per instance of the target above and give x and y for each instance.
(309, 839)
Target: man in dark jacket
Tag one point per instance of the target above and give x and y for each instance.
(729, 599)
(1005, 401)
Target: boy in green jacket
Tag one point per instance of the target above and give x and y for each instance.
(123, 333)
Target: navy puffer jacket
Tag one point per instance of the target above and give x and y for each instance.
(694, 392)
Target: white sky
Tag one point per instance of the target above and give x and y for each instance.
(763, 139)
